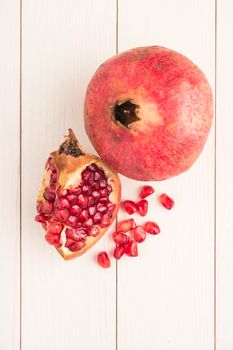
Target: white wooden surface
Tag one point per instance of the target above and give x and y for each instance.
(178, 294)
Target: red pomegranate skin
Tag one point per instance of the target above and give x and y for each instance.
(173, 107)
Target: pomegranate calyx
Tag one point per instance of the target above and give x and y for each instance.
(71, 146)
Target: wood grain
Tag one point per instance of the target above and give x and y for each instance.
(10, 174)
(65, 304)
(224, 176)
(166, 296)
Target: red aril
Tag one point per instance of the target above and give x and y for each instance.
(166, 201)
(103, 260)
(78, 192)
(152, 228)
(126, 225)
(120, 238)
(118, 251)
(142, 207)
(130, 207)
(139, 234)
(146, 191)
(131, 248)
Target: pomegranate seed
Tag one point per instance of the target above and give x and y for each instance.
(55, 227)
(62, 203)
(83, 216)
(142, 207)
(101, 208)
(62, 192)
(52, 187)
(61, 214)
(91, 201)
(103, 200)
(103, 192)
(93, 167)
(72, 221)
(96, 195)
(75, 210)
(111, 207)
(126, 225)
(77, 234)
(39, 206)
(93, 231)
(69, 242)
(103, 260)
(49, 196)
(92, 210)
(40, 218)
(86, 189)
(82, 201)
(130, 207)
(152, 228)
(105, 221)
(76, 246)
(97, 218)
(47, 208)
(146, 191)
(118, 252)
(52, 238)
(88, 176)
(120, 238)
(166, 201)
(103, 183)
(139, 234)
(72, 198)
(88, 223)
(76, 191)
(53, 178)
(131, 248)
(109, 189)
(95, 186)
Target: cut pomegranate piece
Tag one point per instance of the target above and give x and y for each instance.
(152, 228)
(131, 248)
(146, 191)
(142, 207)
(130, 207)
(75, 195)
(139, 234)
(120, 238)
(103, 260)
(126, 225)
(118, 252)
(166, 201)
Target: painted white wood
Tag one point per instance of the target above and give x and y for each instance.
(166, 295)
(66, 305)
(9, 174)
(224, 176)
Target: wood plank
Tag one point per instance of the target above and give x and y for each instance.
(166, 296)
(10, 174)
(224, 217)
(65, 304)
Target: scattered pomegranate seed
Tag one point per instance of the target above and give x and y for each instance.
(131, 248)
(139, 234)
(130, 207)
(103, 260)
(152, 228)
(55, 227)
(118, 252)
(142, 207)
(126, 225)
(166, 201)
(146, 191)
(120, 238)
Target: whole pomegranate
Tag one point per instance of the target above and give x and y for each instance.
(148, 112)
(78, 200)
